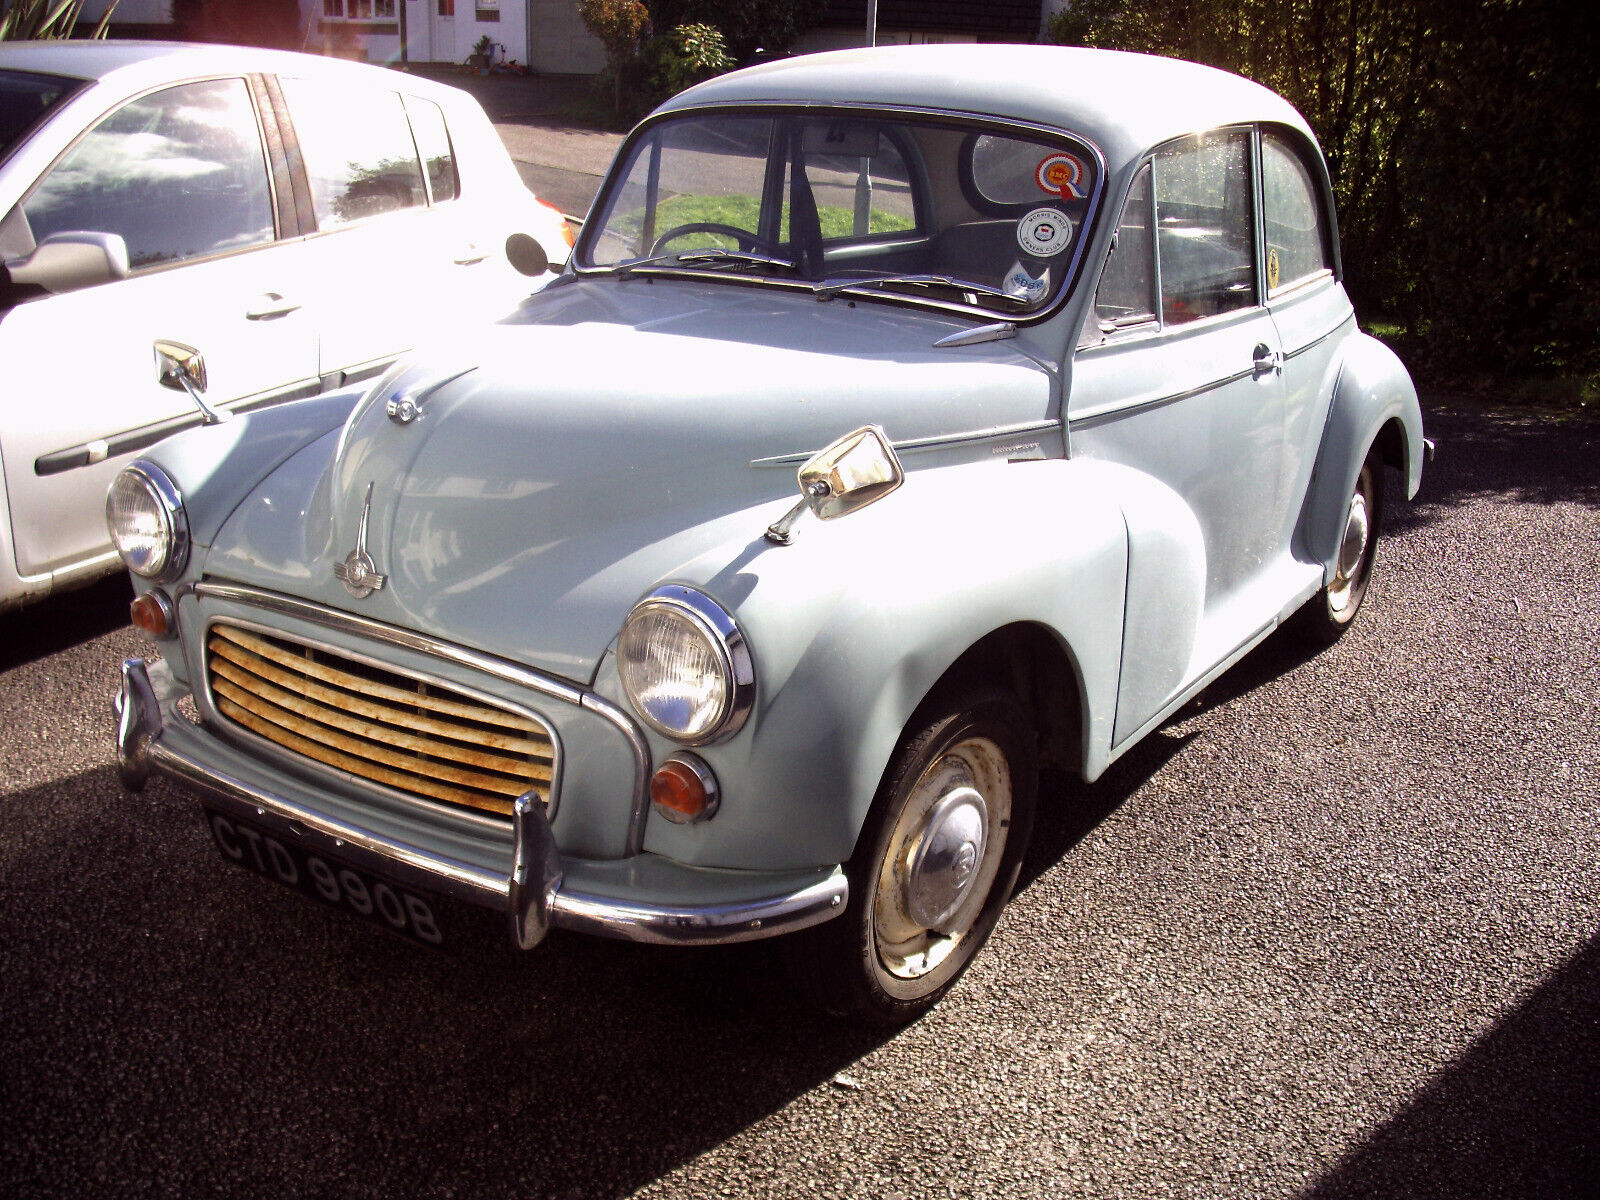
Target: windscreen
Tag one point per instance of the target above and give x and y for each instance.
(903, 207)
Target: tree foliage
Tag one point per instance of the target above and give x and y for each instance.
(42, 20)
(746, 25)
(683, 56)
(1457, 138)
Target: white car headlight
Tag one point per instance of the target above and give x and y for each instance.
(144, 512)
(685, 666)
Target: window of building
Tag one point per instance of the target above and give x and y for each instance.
(359, 10)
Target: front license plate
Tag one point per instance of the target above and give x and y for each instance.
(396, 908)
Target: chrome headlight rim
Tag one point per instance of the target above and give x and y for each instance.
(169, 505)
(725, 637)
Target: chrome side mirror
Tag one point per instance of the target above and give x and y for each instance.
(183, 369)
(859, 469)
(65, 262)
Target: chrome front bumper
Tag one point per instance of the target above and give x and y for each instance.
(541, 890)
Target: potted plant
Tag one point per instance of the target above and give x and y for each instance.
(478, 60)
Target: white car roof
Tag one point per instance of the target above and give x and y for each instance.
(1126, 103)
(128, 66)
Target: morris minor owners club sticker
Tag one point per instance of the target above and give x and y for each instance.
(1044, 232)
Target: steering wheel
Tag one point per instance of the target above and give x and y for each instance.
(743, 238)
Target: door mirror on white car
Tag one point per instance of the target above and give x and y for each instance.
(65, 262)
(526, 254)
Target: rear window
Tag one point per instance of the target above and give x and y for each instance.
(25, 100)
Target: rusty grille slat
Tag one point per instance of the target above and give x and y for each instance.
(408, 734)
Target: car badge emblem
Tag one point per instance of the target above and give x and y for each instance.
(358, 572)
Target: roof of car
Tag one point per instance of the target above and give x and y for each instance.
(135, 62)
(1124, 102)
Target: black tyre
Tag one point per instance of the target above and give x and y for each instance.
(934, 865)
(1330, 612)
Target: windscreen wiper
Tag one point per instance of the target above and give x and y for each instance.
(829, 288)
(703, 257)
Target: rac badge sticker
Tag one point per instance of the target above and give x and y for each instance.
(358, 572)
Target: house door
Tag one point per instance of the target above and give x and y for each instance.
(442, 31)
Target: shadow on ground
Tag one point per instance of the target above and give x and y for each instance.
(52, 625)
(1515, 1116)
(1531, 458)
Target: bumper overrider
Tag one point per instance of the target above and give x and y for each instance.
(643, 898)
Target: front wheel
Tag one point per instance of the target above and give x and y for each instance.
(1330, 612)
(934, 865)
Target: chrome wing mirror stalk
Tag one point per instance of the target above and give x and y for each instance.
(859, 469)
(183, 369)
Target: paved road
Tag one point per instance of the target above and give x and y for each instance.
(1335, 932)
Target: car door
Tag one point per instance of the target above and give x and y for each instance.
(393, 266)
(181, 175)
(1179, 377)
(1308, 304)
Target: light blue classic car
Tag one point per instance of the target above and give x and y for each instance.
(907, 420)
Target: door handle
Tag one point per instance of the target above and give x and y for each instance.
(469, 255)
(1265, 359)
(271, 305)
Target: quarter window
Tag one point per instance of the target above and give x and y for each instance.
(1204, 240)
(359, 153)
(1126, 295)
(1296, 234)
(178, 174)
(433, 143)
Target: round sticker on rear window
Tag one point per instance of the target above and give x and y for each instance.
(1044, 232)
(1061, 175)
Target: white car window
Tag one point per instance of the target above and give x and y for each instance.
(433, 141)
(359, 153)
(179, 174)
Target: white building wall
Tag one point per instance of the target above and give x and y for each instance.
(561, 45)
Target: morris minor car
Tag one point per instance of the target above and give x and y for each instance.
(906, 421)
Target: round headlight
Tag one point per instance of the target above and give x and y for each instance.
(685, 667)
(148, 525)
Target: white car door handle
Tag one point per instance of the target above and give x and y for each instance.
(469, 255)
(271, 305)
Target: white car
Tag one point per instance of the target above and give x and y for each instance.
(247, 224)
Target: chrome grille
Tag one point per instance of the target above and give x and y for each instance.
(409, 735)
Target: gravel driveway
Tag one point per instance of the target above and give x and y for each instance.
(1333, 932)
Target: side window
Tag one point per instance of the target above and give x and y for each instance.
(1127, 292)
(179, 174)
(1296, 231)
(359, 153)
(1203, 206)
(433, 142)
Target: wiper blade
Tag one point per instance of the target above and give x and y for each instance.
(829, 288)
(704, 256)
